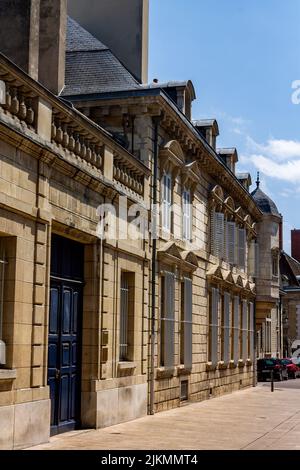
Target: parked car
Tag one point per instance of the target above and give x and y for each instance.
(293, 369)
(265, 366)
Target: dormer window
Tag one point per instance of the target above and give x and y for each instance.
(166, 201)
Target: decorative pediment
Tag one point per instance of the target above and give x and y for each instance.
(170, 249)
(190, 175)
(215, 273)
(240, 213)
(190, 258)
(246, 284)
(218, 193)
(238, 280)
(171, 157)
(228, 277)
(253, 288)
(229, 202)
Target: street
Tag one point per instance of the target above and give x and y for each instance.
(251, 419)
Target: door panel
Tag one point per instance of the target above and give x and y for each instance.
(64, 363)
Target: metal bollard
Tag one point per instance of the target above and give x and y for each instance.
(272, 381)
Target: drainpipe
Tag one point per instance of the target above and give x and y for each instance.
(156, 121)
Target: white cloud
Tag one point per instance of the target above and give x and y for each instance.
(288, 171)
(276, 148)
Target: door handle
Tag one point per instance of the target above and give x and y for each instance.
(57, 374)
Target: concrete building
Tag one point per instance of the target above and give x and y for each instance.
(100, 327)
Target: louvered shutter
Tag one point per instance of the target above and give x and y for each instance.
(236, 327)
(212, 230)
(245, 331)
(169, 320)
(188, 324)
(219, 234)
(214, 326)
(231, 242)
(242, 248)
(226, 357)
(251, 259)
(251, 331)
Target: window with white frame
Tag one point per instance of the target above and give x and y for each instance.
(244, 331)
(186, 215)
(251, 331)
(166, 201)
(236, 329)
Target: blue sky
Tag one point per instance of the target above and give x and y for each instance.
(242, 58)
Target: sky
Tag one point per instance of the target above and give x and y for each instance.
(243, 58)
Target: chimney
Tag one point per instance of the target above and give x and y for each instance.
(122, 25)
(52, 54)
(295, 234)
(281, 234)
(19, 33)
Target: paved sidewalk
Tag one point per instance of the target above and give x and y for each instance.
(253, 418)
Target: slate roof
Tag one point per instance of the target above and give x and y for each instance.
(266, 205)
(290, 269)
(91, 67)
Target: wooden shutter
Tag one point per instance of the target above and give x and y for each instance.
(188, 323)
(257, 265)
(245, 331)
(236, 329)
(214, 326)
(169, 320)
(251, 259)
(219, 234)
(241, 248)
(226, 357)
(231, 242)
(251, 331)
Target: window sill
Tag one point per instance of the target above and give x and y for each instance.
(126, 365)
(222, 365)
(8, 374)
(163, 372)
(210, 366)
(182, 370)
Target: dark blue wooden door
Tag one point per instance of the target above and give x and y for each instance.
(64, 346)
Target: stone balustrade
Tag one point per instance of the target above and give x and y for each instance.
(18, 101)
(127, 175)
(73, 137)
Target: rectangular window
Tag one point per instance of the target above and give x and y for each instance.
(186, 215)
(241, 248)
(275, 265)
(167, 320)
(253, 259)
(217, 234)
(225, 332)
(166, 201)
(213, 326)
(186, 324)
(251, 331)
(127, 317)
(244, 332)
(236, 329)
(231, 242)
(2, 276)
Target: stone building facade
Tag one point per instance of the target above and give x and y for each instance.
(290, 281)
(268, 282)
(101, 321)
